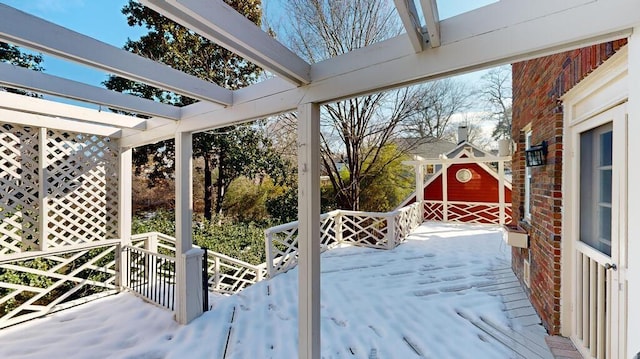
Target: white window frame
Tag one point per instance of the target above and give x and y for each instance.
(527, 179)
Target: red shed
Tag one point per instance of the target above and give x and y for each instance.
(471, 190)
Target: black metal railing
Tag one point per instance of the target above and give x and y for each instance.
(205, 281)
(152, 275)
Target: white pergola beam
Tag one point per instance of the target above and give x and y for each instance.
(411, 21)
(10, 101)
(31, 119)
(223, 25)
(26, 30)
(36, 81)
(480, 43)
(432, 20)
(156, 131)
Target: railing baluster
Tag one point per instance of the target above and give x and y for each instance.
(156, 287)
(601, 325)
(152, 276)
(585, 296)
(580, 300)
(592, 306)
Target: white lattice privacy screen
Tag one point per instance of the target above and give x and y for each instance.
(79, 191)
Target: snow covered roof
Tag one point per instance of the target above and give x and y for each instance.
(445, 293)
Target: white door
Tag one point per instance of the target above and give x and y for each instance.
(599, 222)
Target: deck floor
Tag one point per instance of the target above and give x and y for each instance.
(447, 292)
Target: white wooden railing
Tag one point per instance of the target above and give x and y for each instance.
(36, 283)
(225, 274)
(467, 212)
(367, 229)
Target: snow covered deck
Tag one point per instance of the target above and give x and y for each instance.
(447, 292)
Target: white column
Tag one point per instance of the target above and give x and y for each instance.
(124, 195)
(501, 191)
(420, 187)
(184, 191)
(124, 210)
(43, 211)
(188, 259)
(633, 197)
(445, 192)
(309, 231)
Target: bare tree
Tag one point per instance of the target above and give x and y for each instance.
(497, 96)
(441, 100)
(354, 131)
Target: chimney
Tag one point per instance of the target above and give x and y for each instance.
(463, 134)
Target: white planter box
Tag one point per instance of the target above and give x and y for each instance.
(516, 236)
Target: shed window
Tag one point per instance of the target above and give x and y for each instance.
(464, 175)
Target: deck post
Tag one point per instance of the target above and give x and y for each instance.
(124, 211)
(337, 227)
(268, 242)
(309, 231)
(391, 230)
(633, 199)
(188, 259)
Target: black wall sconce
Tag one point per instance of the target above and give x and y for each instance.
(536, 155)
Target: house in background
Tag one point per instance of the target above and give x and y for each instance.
(419, 148)
(469, 191)
(571, 108)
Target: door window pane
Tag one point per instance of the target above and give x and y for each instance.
(606, 148)
(605, 186)
(605, 230)
(596, 187)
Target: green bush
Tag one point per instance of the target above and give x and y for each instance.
(244, 241)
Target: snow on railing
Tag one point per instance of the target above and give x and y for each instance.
(367, 229)
(229, 275)
(467, 212)
(36, 283)
(225, 274)
(408, 218)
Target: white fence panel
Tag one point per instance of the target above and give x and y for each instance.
(367, 229)
(36, 283)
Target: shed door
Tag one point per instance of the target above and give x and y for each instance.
(600, 146)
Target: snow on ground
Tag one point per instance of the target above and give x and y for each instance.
(409, 302)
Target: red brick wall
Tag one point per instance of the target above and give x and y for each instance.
(537, 86)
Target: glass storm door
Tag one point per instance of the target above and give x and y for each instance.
(600, 145)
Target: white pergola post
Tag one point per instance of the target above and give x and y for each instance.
(420, 186)
(124, 210)
(309, 231)
(188, 259)
(501, 190)
(445, 192)
(43, 211)
(633, 199)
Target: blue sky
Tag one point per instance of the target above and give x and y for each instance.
(103, 20)
(100, 19)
